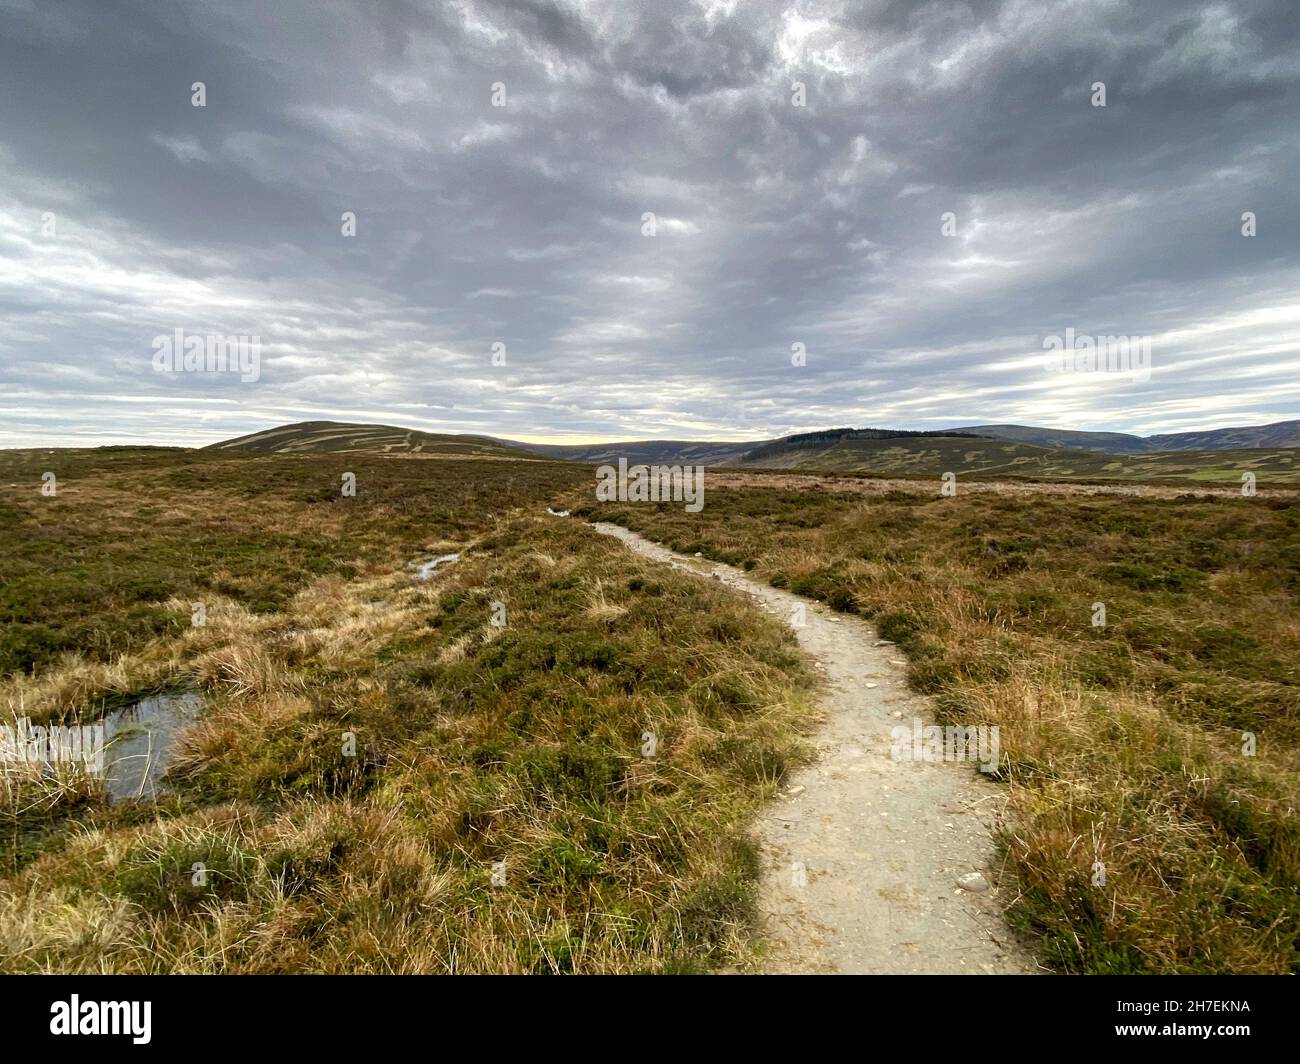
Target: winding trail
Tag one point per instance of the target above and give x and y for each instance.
(861, 855)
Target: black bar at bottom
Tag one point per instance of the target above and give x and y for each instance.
(576, 1015)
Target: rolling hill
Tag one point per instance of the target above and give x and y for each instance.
(1278, 434)
(652, 451)
(982, 457)
(876, 452)
(335, 436)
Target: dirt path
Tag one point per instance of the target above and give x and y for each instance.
(880, 844)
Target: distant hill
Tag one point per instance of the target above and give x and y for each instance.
(1110, 442)
(1278, 434)
(920, 455)
(844, 446)
(984, 450)
(714, 454)
(652, 451)
(312, 437)
(790, 450)
(985, 457)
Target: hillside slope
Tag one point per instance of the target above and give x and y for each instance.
(338, 436)
(933, 456)
(1277, 434)
(877, 452)
(653, 451)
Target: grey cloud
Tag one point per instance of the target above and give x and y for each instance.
(522, 224)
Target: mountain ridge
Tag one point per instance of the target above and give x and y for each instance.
(1237, 437)
(311, 437)
(1061, 455)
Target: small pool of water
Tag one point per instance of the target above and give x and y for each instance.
(426, 568)
(138, 742)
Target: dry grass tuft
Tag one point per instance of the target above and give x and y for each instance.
(373, 746)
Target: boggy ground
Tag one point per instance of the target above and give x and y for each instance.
(1150, 761)
(546, 758)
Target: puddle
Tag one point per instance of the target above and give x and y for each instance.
(138, 742)
(426, 568)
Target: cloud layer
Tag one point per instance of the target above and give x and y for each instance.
(501, 159)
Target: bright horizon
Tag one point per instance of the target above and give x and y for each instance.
(572, 441)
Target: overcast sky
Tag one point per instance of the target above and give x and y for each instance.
(127, 212)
